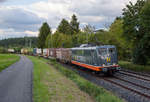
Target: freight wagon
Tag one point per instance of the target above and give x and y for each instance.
(37, 51)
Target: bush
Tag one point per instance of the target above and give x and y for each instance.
(134, 67)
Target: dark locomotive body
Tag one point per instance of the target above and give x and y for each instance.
(99, 58)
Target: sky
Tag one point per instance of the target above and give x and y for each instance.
(19, 18)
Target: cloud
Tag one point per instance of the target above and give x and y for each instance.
(11, 33)
(107, 8)
(2, 1)
(19, 19)
(94, 12)
(27, 19)
(52, 10)
(31, 33)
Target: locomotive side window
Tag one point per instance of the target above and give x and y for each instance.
(79, 52)
(87, 53)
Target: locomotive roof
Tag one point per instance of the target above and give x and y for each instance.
(94, 47)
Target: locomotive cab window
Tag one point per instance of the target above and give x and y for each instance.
(102, 51)
(112, 50)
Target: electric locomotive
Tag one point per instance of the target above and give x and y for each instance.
(97, 58)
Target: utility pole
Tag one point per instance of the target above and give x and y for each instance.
(30, 43)
(51, 41)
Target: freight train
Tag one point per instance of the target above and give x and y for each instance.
(96, 58)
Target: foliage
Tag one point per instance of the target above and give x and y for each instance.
(58, 40)
(134, 67)
(89, 29)
(3, 50)
(48, 42)
(136, 30)
(44, 32)
(145, 23)
(64, 27)
(102, 37)
(117, 38)
(80, 38)
(74, 25)
(19, 42)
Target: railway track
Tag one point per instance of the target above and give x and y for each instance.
(148, 88)
(125, 87)
(137, 73)
(139, 92)
(135, 76)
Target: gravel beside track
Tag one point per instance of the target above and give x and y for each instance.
(131, 88)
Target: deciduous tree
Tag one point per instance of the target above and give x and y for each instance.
(44, 31)
(136, 29)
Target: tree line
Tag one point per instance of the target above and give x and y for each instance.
(130, 33)
(17, 43)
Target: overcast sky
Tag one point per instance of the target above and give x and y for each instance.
(20, 18)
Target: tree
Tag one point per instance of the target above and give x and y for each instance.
(48, 42)
(74, 24)
(66, 41)
(89, 29)
(145, 25)
(45, 30)
(19, 42)
(117, 38)
(135, 26)
(64, 27)
(56, 40)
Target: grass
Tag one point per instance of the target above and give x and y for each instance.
(98, 93)
(134, 67)
(49, 85)
(7, 60)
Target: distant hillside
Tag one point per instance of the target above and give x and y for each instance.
(19, 42)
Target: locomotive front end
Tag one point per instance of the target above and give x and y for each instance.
(108, 59)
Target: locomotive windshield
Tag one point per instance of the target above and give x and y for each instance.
(106, 52)
(111, 50)
(102, 51)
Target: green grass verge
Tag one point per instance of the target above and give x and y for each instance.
(7, 60)
(49, 85)
(40, 91)
(134, 67)
(99, 93)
